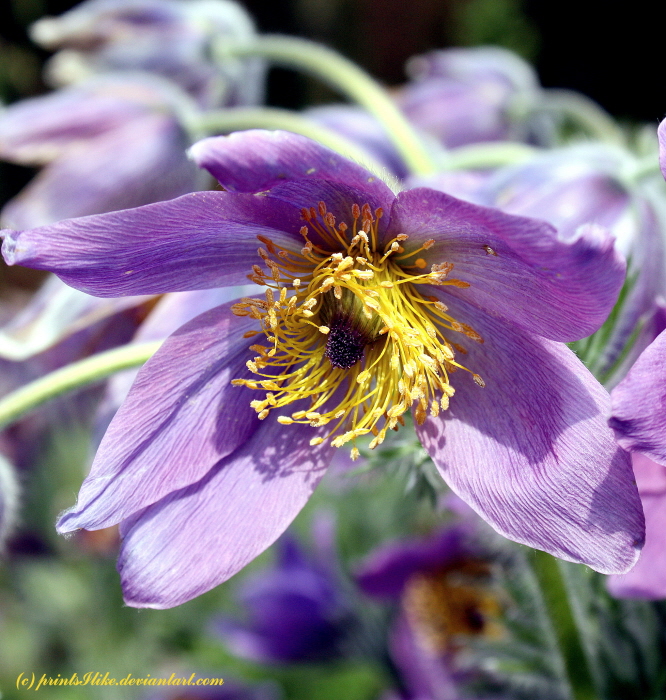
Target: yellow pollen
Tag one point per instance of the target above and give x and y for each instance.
(348, 287)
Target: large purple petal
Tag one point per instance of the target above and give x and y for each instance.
(200, 240)
(181, 417)
(196, 538)
(648, 578)
(517, 267)
(639, 404)
(252, 161)
(531, 452)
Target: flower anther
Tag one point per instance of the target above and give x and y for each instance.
(348, 307)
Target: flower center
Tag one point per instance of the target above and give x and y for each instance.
(348, 308)
(456, 600)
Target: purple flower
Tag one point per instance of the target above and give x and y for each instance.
(295, 612)
(464, 96)
(110, 143)
(376, 304)
(173, 38)
(443, 584)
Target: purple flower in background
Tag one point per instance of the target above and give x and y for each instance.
(173, 38)
(376, 304)
(59, 326)
(110, 143)
(444, 588)
(295, 612)
(464, 96)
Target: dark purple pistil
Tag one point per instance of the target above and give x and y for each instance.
(344, 345)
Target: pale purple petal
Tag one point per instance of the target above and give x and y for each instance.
(516, 267)
(648, 578)
(200, 240)
(531, 452)
(252, 161)
(181, 417)
(55, 312)
(134, 164)
(38, 130)
(196, 538)
(639, 404)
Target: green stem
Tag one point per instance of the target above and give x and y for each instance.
(78, 374)
(345, 76)
(556, 600)
(227, 120)
(644, 168)
(488, 155)
(585, 113)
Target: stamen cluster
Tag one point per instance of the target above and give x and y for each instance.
(347, 308)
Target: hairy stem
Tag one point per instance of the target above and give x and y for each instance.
(560, 612)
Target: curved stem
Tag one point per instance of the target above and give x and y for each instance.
(586, 113)
(346, 77)
(227, 120)
(78, 374)
(556, 599)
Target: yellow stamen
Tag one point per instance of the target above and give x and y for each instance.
(342, 288)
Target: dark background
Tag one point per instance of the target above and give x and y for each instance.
(615, 57)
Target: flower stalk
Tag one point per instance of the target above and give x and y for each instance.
(73, 376)
(345, 76)
(548, 571)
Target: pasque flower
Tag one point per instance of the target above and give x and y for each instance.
(173, 38)
(464, 96)
(445, 590)
(375, 303)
